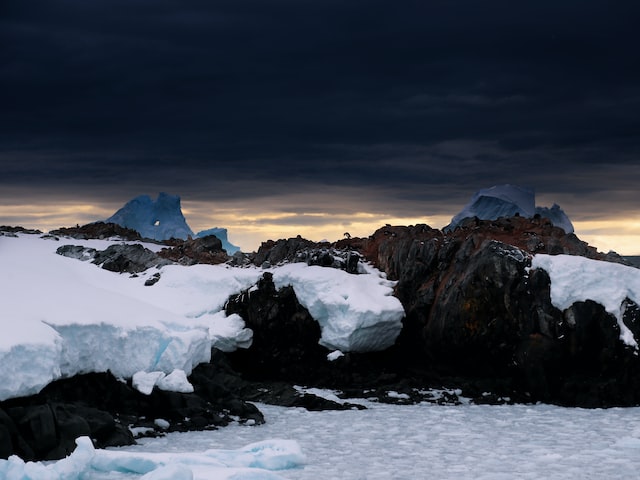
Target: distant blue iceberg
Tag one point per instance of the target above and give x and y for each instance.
(508, 201)
(162, 219)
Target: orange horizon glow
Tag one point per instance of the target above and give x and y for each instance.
(248, 229)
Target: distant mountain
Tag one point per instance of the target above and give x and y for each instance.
(508, 201)
(160, 219)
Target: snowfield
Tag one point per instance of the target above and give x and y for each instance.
(474, 442)
(75, 317)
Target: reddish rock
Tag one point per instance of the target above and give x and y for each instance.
(99, 230)
(192, 251)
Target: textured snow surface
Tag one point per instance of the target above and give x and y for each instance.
(251, 462)
(576, 279)
(478, 442)
(77, 318)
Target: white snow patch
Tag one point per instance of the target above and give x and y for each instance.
(176, 381)
(399, 396)
(336, 354)
(161, 423)
(576, 279)
(327, 394)
(228, 333)
(145, 381)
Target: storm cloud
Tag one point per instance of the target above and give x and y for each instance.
(423, 102)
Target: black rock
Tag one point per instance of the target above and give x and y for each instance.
(123, 258)
(285, 336)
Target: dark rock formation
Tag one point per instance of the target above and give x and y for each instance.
(192, 251)
(474, 310)
(633, 260)
(299, 249)
(127, 258)
(285, 336)
(45, 426)
(121, 258)
(477, 318)
(98, 230)
(13, 231)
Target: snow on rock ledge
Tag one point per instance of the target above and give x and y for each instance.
(577, 279)
(356, 313)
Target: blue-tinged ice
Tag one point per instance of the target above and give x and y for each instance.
(508, 201)
(255, 461)
(160, 219)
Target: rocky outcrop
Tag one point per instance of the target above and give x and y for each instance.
(98, 230)
(45, 426)
(474, 309)
(13, 231)
(192, 251)
(299, 249)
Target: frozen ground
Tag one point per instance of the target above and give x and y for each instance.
(444, 442)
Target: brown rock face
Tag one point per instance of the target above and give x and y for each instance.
(474, 308)
(98, 230)
(200, 250)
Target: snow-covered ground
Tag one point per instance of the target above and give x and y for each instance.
(409, 442)
(76, 317)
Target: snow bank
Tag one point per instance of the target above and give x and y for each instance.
(576, 279)
(74, 317)
(255, 461)
(356, 313)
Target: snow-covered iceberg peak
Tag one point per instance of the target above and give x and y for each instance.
(508, 201)
(159, 219)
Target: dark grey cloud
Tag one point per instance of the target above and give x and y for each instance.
(421, 99)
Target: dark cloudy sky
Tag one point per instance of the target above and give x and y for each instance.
(283, 115)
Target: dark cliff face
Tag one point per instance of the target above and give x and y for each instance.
(474, 308)
(285, 336)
